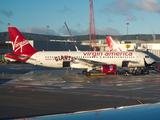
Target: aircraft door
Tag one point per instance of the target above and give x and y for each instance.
(37, 57)
(125, 64)
(66, 63)
(138, 59)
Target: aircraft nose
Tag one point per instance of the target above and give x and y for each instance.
(149, 61)
(152, 61)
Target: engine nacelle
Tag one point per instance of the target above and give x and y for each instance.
(109, 69)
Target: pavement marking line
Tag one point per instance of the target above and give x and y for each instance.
(140, 102)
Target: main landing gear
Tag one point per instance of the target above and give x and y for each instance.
(84, 72)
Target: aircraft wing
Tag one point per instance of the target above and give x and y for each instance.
(127, 61)
(90, 62)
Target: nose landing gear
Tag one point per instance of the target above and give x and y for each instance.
(140, 71)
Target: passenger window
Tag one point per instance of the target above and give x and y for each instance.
(146, 56)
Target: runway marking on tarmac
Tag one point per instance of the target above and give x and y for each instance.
(152, 81)
(140, 102)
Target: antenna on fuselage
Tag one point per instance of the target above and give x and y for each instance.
(71, 36)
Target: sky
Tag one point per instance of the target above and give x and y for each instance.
(111, 16)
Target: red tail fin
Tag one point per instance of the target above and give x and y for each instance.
(112, 45)
(19, 43)
(22, 49)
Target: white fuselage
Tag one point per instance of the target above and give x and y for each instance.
(84, 59)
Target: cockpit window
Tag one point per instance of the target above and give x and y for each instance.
(146, 56)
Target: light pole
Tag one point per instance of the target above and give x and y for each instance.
(47, 37)
(8, 37)
(137, 38)
(127, 35)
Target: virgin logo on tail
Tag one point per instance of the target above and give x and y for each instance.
(21, 47)
(17, 46)
(112, 45)
(19, 43)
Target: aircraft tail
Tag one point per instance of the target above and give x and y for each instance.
(21, 47)
(19, 43)
(111, 44)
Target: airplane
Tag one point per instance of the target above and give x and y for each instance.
(106, 62)
(114, 47)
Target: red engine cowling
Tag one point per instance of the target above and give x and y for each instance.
(109, 69)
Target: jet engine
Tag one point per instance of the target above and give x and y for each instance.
(109, 69)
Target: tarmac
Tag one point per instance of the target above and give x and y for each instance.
(28, 91)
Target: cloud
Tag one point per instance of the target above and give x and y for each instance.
(63, 31)
(120, 7)
(78, 25)
(131, 18)
(127, 8)
(103, 31)
(110, 20)
(1, 22)
(65, 9)
(39, 30)
(7, 13)
(151, 6)
(107, 31)
(142, 16)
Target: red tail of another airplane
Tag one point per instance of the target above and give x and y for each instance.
(112, 45)
(21, 47)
